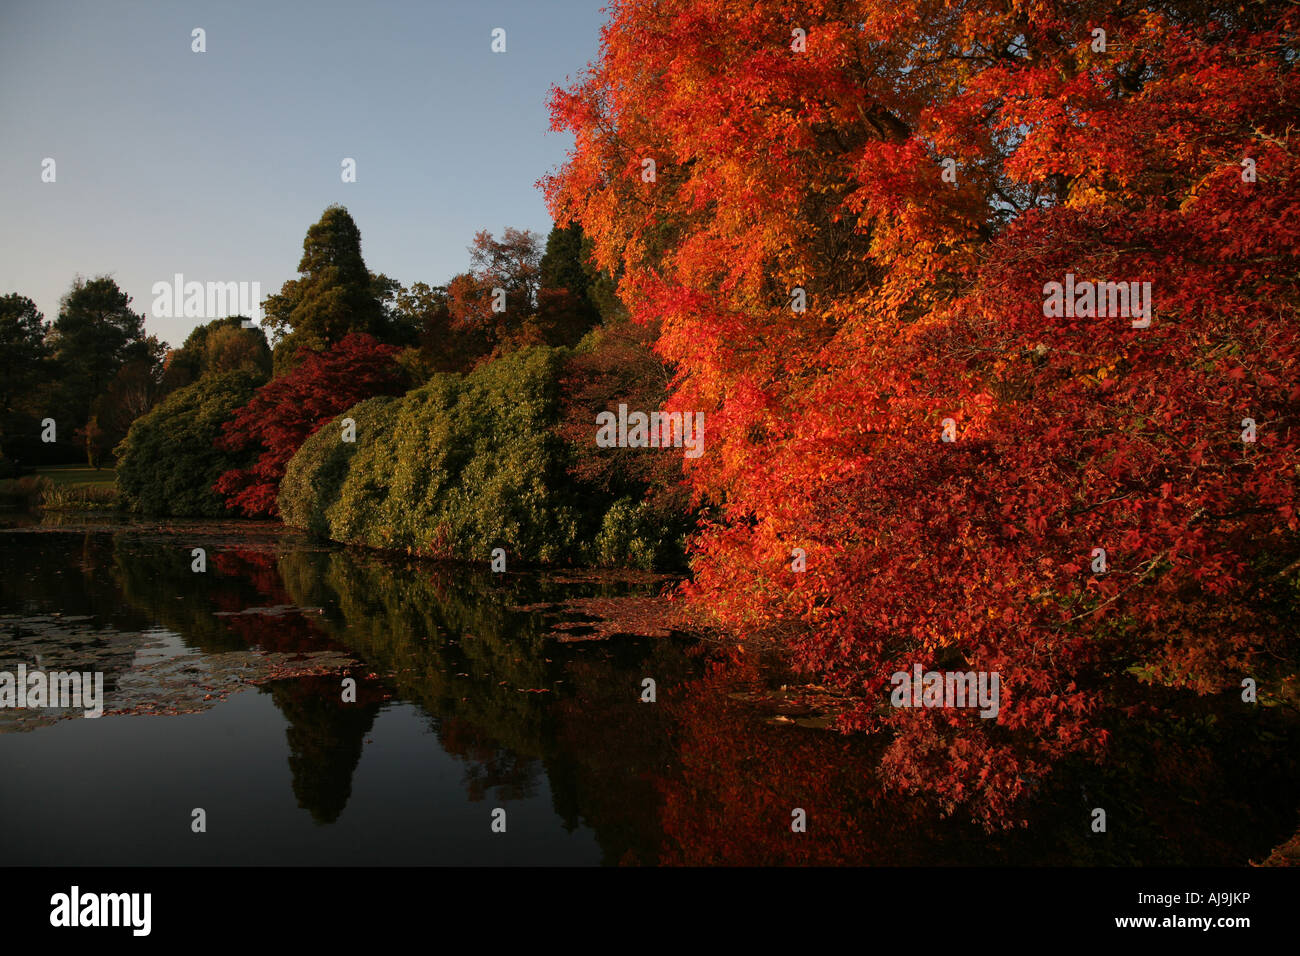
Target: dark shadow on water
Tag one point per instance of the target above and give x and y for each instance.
(465, 703)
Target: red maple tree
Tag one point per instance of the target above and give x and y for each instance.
(916, 174)
(287, 410)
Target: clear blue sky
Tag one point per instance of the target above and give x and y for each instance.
(214, 164)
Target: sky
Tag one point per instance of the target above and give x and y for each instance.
(214, 164)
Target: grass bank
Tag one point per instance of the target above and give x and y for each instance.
(62, 487)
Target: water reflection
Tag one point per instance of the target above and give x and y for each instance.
(465, 702)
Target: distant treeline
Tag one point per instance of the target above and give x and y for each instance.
(461, 418)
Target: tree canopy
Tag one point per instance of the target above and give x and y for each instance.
(289, 408)
(846, 219)
(24, 362)
(95, 334)
(334, 295)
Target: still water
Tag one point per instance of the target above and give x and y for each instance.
(479, 692)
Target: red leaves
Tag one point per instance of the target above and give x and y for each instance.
(926, 301)
(288, 409)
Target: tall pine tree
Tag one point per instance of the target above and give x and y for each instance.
(334, 295)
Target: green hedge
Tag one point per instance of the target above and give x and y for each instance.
(166, 464)
(314, 477)
(468, 463)
(636, 534)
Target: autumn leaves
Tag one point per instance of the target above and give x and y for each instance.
(1088, 178)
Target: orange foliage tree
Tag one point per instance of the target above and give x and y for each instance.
(846, 217)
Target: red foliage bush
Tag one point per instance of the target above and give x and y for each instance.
(288, 409)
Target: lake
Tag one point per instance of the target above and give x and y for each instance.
(522, 692)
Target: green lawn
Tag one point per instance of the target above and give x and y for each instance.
(78, 475)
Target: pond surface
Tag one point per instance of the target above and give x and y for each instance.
(477, 692)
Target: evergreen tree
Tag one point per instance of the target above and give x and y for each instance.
(95, 334)
(24, 359)
(334, 295)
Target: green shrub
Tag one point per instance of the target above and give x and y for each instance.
(639, 534)
(168, 462)
(469, 463)
(314, 476)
